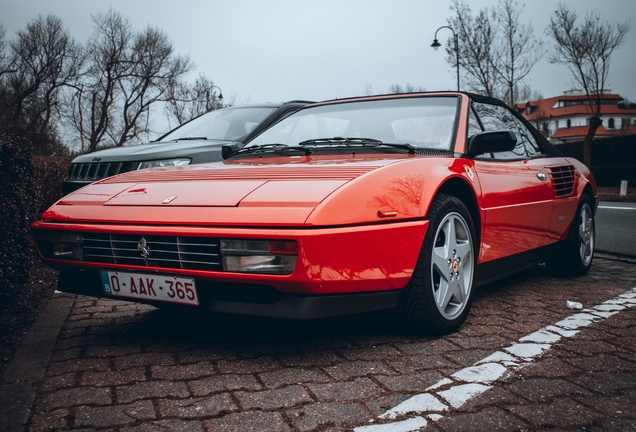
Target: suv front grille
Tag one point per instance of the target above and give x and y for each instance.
(193, 253)
(96, 171)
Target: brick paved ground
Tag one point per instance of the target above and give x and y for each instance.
(121, 366)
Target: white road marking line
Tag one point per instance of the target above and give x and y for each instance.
(616, 208)
(474, 380)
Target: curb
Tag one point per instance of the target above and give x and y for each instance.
(26, 370)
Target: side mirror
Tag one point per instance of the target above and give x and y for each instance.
(228, 149)
(491, 142)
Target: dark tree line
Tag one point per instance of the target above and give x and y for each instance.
(101, 92)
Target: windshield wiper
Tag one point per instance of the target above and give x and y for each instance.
(270, 147)
(190, 138)
(365, 142)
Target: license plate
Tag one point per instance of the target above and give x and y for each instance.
(171, 289)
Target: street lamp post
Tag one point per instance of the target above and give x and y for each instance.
(436, 45)
(220, 93)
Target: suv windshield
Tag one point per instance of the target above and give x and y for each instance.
(424, 122)
(222, 124)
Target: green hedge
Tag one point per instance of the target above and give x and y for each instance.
(613, 159)
(28, 185)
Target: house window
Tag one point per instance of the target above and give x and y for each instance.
(624, 123)
(568, 124)
(610, 123)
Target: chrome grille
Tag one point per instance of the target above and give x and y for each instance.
(96, 171)
(562, 180)
(194, 253)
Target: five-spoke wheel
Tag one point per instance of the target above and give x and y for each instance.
(439, 295)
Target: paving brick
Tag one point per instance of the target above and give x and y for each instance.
(382, 404)
(273, 399)
(151, 389)
(180, 372)
(204, 355)
(356, 390)
(410, 383)
(492, 419)
(192, 408)
(606, 382)
(543, 389)
(114, 378)
(287, 376)
(428, 347)
(262, 364)
(59, 382)
(171, 425)
(559, 413)
(219, 383)
(371, 353)
(68, 354)
(78, 365)
(143, 359)
(322, 358)
(253, 421)
(549, 367)
(425, 362)
(346, 370)
(112, 351)
(73, 397)
(311, 417)
(114, 416)
(49, 421)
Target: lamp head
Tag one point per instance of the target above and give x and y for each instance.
(436, 44)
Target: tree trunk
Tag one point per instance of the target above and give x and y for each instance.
(595, 122)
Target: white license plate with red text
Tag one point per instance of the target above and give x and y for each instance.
(172, 289)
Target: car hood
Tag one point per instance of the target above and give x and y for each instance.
(253, 192)
(151, 151)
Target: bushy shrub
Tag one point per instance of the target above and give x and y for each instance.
(28, 186)
(17, 190)
(48, 173)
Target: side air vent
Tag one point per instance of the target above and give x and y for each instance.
(562, 180)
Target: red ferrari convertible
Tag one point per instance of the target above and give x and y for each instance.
(400, 201)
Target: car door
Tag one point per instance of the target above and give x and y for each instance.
(516, 193)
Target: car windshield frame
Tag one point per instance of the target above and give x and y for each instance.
(226, 124)
(433, 119)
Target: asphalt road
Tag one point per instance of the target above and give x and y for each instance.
(616, 228)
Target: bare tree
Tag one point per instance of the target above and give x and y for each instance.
(408, 88)
(586, 50)
(126, 74)
(477, 54)
(517, 50)
(41, 61)
(186, 101)
(496, 51)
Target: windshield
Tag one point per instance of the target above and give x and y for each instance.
(222, 124)
(424, 122)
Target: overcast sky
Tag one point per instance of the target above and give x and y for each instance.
(275, 50)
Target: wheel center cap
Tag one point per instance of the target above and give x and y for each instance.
(455, 266)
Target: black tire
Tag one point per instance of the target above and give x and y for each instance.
(575, 255)
(438, 297)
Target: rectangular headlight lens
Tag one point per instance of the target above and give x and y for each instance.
(61, 245)
(259, 256)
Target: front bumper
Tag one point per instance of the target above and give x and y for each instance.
(247, 299)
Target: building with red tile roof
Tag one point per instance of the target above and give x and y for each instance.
(566, 118)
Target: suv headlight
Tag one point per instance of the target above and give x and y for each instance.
(164, 163)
